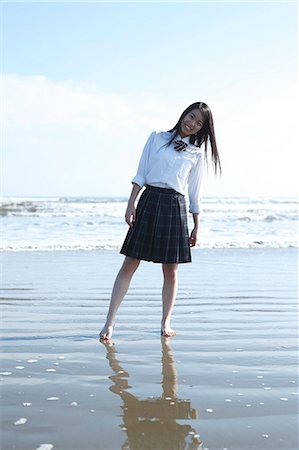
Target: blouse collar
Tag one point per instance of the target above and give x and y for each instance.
(184, 139)
(178, 137)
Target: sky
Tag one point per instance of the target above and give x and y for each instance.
(84, 84)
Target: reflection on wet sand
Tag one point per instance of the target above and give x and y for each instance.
(151, 423)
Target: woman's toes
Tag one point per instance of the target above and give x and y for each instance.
(106, 333)
(168, 332)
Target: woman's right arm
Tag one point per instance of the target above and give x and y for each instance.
(142, 170)
(138, 181)
(131, 210)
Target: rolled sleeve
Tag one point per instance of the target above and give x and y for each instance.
(195, 184)
(140, 177)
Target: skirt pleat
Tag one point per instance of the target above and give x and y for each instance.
(160, 231)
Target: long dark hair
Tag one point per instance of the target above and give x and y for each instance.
(205, 133)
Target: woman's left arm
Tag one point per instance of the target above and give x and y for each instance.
(194, 236)
(194, 189)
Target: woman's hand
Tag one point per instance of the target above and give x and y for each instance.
(130, 214)
(131, 210)
(194, 236)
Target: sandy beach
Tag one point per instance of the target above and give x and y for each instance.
(228, 380)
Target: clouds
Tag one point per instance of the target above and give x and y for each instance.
(74, 138)
(80, 98)
(36, 100)
(70, 138)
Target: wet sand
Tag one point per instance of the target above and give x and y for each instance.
(228, 380)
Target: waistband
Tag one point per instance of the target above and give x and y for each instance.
(162, 190)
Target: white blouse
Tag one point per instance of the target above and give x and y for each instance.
(166, 167)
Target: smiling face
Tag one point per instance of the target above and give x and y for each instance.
(192, 123)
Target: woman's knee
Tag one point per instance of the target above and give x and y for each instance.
(130, 265)
(170, 271)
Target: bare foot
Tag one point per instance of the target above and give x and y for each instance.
(167, 331)
(106, 332)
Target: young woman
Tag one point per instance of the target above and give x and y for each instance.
(170, 167)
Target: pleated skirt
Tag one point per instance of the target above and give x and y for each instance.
(160, 231)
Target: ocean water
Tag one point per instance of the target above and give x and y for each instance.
(88, 223)
(227, 380)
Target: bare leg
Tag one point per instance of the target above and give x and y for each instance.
(168, 296)
(120, 288)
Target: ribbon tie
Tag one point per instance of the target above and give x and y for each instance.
(180, 145)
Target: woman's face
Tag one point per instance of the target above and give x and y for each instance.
(192, 123)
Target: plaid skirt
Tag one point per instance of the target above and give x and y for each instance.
(160, 231)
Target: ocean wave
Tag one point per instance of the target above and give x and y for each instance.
(54, 209)
(17, 247)
(115, 208)
(89, 223)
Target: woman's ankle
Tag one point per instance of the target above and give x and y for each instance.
(110, 322)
